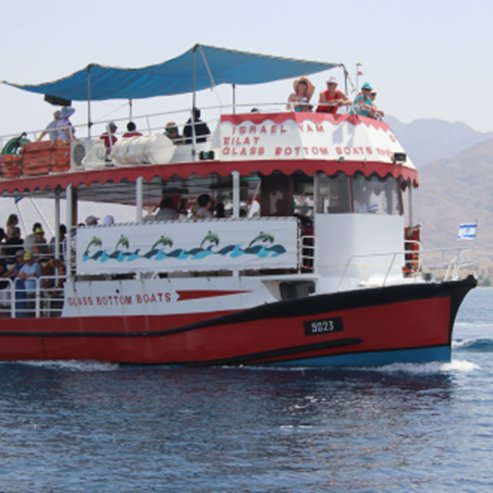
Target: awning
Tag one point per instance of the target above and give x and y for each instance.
(201, 67)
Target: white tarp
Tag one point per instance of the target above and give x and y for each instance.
(188, 246)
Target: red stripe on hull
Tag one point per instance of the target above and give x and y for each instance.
(409, 324)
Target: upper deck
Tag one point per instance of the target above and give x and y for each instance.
(249, 143)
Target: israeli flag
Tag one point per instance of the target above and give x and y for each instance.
(467, 231)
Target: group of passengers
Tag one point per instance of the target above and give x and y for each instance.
(24, 261)
(331, 99)
(179, 209)
(60, 128)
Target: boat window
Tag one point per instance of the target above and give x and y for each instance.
(376, 196)
(333, 194)
(293, 290)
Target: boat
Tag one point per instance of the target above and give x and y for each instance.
(295, 275)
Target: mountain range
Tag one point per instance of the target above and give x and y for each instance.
(429, 140)
(456, 173)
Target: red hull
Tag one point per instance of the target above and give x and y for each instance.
(365, 321)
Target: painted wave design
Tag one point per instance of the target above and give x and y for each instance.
(232, 251)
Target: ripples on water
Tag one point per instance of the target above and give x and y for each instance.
(82, 427)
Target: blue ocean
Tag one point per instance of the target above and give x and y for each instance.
(89, 427)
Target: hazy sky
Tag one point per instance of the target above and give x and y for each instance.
(426, 58)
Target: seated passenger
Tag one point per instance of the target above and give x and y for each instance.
(167, 211)
(108, 220)
(27, 283)
(331, 99)
(91, 221)
(195, 126)
(303, 92)
(205, 207)
(131, 131)
(375, 112)
(363, 101)
(109, 138)
(171, 131)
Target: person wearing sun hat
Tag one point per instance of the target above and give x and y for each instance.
(303, 92)
(331, 99)
(363, 102)
(92, 220)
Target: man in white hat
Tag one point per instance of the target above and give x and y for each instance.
(109, 138)
(332, 98)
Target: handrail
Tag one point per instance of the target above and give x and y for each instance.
(37, 303)
(452, 268)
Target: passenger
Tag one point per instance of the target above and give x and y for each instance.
(12, 243)
(40, 248)
(200, 128)
(363, 101)
(19, 262)
(28, 276)
(65, 129)
(62, 240)
(183, 209)
(131, 131)
(375, 112)
(362, 204)
(109, 138)
(92, 221)
(303, 92)
(108, 220)
(4, 285)
(220, 210)
(13, 220)
(171, 131)
(167, 211)
(30, 239)
(331, 99)
(51, 128)
(205, 207)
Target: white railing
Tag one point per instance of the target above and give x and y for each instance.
(446, 270)
(44, 301)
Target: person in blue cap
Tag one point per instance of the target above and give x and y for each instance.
(363, 102)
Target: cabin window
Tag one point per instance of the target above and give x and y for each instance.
(375, 196)
(333, 194)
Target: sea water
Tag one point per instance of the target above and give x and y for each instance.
(90, 427)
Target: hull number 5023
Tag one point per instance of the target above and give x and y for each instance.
(324, 326)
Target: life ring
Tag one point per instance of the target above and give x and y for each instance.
(14, 145)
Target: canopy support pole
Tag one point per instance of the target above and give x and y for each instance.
(234, 99)
(70, 229)
(236, 194)
(139, 199)
(89, 95)
(410, 204)
(211, 77)
(194, 100)
(57, 223)
(130, 110)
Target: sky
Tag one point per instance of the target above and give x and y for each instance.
(427, 59)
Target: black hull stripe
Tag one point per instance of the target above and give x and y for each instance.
(275, 353)
(309, 306)
(259, 358)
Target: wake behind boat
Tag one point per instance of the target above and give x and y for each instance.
(314, 262)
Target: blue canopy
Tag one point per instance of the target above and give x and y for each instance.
(198, 68)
